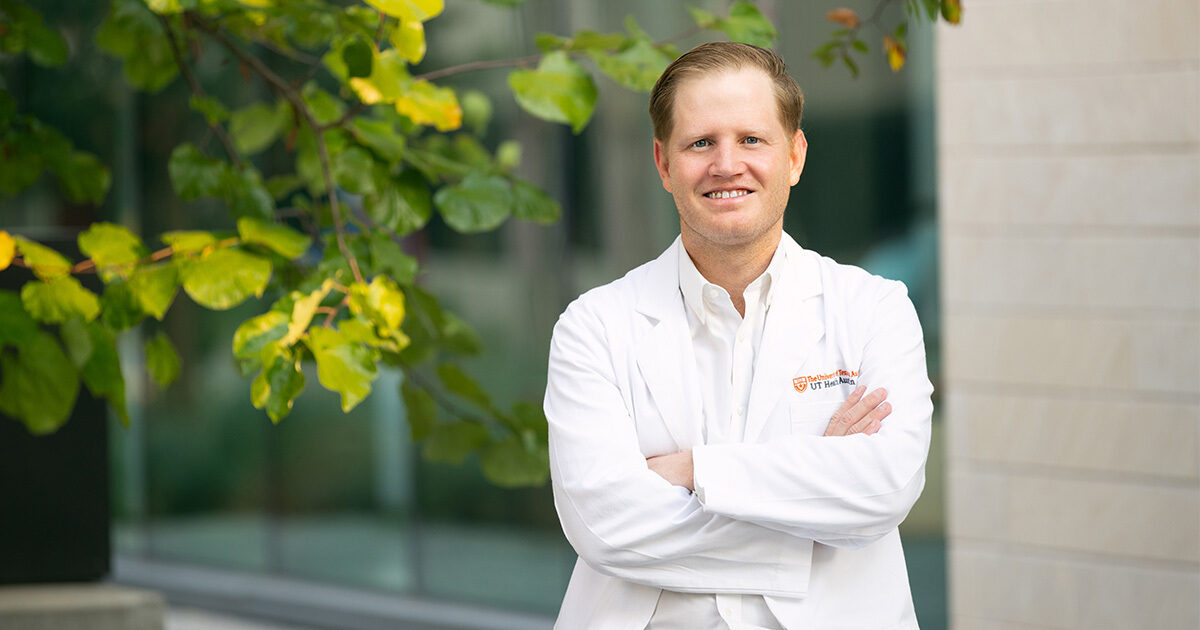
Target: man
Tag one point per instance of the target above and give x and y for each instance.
(716, 460)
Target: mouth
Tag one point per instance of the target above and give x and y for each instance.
(728, 194)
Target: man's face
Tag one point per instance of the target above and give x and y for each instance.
(729, 162)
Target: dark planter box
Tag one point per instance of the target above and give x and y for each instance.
(54, 494)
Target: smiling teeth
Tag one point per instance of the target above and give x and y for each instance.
(726, 194)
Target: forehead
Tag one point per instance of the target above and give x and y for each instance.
(729, 97)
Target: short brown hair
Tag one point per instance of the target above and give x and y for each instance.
(721, 56)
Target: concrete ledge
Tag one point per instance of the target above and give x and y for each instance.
(80, 607)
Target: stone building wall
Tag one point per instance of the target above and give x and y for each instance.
(1069, 192)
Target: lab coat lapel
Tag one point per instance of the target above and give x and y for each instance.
(793, 326)
(664, 354)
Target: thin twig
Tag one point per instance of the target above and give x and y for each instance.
(477, 65)
(442, 401)
(289, 92)
(197, 90)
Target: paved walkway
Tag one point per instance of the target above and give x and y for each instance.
(179, 618)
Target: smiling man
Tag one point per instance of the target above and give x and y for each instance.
(716, 457)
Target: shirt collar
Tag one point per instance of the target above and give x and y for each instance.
(692, 283)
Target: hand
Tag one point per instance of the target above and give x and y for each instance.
(676, 468)
(860, 414)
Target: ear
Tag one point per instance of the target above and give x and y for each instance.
(660, 162)
(799, 151)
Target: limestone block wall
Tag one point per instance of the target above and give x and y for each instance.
(1069, 193)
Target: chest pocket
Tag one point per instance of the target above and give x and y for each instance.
(811, 418)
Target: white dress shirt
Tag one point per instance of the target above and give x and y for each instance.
(725, 345)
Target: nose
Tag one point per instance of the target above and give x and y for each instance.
(726, 162)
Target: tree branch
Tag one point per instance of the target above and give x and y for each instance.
(289, 92)
(184, 69)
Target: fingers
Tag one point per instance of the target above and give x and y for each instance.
(859, 413)
(872, 419)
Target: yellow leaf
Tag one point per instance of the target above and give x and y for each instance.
(845, 17)
(303, 310)
(427, 104)
(387, 82)
(8, 248)
(409, 39)
(409, 10)
(896, 52)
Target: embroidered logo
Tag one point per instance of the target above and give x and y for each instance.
(825, 381)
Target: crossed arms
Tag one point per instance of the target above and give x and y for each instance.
(763, 504)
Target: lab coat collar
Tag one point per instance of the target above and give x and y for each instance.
(667, 361)
(664, 353)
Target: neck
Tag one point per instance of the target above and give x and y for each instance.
(732, 268)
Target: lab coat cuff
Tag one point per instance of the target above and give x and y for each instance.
(701, 471)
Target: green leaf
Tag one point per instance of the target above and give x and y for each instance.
(154, 287)
(119, 306)
(222, 279)
(477, 110)
(82, 177)
(132, 33)
(113, 248)
(324, 107)
(597, 42)
(547, 42)
(161, 360)
(850, 64)
(257, 333)
(531, 204)
(635, 31)
(25, 31)
(508, 155)
(408, 38)
(75, 337)
(59, 299)
(358, 56)
(560, 90)
(419, 408)
(281, 186)
(102, 372)
(478, 203)
(380, 136)
(530, 418)
(47, 264)
(17, 328)
(193, 175)
(511, 464)
(703, 18)
(452, 442)
(247, 196)
(188, 241)
(281, 239)
(255, 127)
(39, 385)
(747, 25)
(402, 203)
(860, 46)
(464, 386)
(352, 170)
(277, 386)
(342, 366)
(636, 67)
(214, 111)
(388, 257)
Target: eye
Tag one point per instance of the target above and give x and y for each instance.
(700, 144)
(752, 140)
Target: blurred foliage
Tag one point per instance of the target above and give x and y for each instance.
(345, 296)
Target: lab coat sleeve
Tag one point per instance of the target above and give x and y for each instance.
(842, 491)
(622, 518)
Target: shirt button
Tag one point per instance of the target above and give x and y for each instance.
(741, 337)
(741, 410)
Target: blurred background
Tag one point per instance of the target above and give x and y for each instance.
(327, 515)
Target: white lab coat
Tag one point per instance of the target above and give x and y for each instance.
(807, 521)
